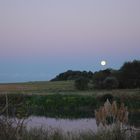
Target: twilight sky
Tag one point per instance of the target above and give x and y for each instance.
(41, 38)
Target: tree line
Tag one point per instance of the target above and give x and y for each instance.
(128, 76)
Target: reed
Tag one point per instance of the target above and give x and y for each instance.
(111, 114)
(112, 120)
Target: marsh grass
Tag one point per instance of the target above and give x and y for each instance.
(11, 129)
(112, 114)
(112, 121)
(61, 87)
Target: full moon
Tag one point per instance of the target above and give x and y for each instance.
(103, 62)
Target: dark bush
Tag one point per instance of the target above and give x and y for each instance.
(104, 97)
(99, 77)
(110, 83)
(130, 74)
(73, 75)
(81, 83)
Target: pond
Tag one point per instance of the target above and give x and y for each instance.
(65, 125)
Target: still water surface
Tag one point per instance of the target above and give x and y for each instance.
(66, 125)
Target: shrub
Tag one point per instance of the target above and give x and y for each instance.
(112, 114)
(130, 74)
(110, 83)
(104, 97)
(81, 83)
(99, 77)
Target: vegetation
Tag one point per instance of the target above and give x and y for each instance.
(11, 129)
(99, 77)
(111, 114)
(64, 99)
(73, 75)
(70, 106)
(114, 117)
(128, 76)
(41, 88)
(81, 83)
(64, 106)
(110, 83)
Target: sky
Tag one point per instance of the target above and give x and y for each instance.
(42, 38)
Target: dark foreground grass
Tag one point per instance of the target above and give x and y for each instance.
(61, 87)
(40, 134)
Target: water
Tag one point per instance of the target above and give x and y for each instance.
(65, 125)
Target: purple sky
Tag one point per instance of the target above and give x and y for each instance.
(41, 38)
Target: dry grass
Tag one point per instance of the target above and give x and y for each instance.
(62, 87)
(111, 114)
(37, 87)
